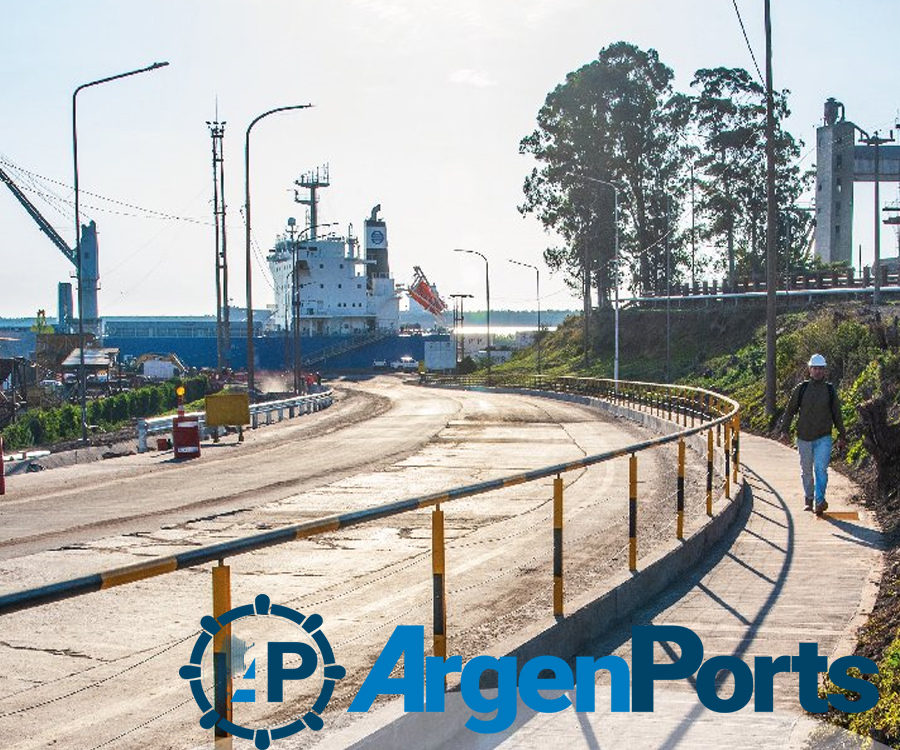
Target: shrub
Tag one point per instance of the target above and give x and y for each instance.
(41, 427)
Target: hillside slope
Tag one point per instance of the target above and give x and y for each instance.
(724, 350)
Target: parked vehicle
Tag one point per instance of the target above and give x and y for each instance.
(405, 364)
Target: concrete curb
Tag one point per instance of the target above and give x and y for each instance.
(590, 616)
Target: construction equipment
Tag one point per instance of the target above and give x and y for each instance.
(90, 262)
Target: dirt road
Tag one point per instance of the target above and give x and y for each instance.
(101, 670)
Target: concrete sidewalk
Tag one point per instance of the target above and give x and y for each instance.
(784, 577)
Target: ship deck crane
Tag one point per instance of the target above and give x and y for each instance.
(425, 293)
(89, 259)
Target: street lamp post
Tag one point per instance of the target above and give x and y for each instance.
(487, 294)
(616, 270)
(82, 384)
(249, 259)
(538, 278)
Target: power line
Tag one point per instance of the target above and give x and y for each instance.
(747, 40)
(151, 213)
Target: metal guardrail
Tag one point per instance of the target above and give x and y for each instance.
(294, 406)
(678, 403)
(717, 415)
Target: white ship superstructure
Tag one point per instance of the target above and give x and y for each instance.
(339, 290)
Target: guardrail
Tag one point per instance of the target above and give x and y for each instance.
(294, 406)
(717, 415)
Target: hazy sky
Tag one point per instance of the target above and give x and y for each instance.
(419, 106)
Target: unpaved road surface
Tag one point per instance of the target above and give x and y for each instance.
(100, 671)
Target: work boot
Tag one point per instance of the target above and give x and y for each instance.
(821, 508)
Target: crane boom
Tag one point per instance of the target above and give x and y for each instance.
(86, 260)
(42, 223)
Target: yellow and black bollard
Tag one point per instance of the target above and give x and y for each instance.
(679, 525)
(727, 452)
(709, 473)
(632, 512)
(437, 569)
(222, 668)
(558, 545)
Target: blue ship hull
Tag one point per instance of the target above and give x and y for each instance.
(275, 353)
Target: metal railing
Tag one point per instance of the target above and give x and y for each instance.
(709, 412)
(267, 410)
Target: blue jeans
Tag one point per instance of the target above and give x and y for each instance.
(814, 458)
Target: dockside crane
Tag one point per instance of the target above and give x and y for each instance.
(90, 263)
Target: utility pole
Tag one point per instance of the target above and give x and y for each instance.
(458, 321)
(876, 141)
(668, 293)
(223, 333)
(771, 223)
(693, 234)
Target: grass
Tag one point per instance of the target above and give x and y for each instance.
(724, 350)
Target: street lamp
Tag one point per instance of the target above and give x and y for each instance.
(616, 265)
(82, 384)
(538, 277)
(487, 294)
(249, 259)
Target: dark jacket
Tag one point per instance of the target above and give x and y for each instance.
(818, 409)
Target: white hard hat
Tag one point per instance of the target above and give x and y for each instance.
(817, 360)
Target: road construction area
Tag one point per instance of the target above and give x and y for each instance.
(100, 670)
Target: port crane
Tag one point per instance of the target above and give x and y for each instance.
(90, 262)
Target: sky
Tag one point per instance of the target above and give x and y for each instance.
(419, 105)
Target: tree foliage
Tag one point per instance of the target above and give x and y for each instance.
(47, 426)
(729, 111)
(618, 120)
(615, 120)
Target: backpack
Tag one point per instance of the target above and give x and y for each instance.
(803, 387)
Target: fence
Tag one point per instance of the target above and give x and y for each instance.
(266, 410)
(706, 411)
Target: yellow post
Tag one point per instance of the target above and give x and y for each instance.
(736, 442)
(632, 512)
(437, 569)
(728, 459)
(709, 472)
(679, 525)
(558, 545)
(222, 680)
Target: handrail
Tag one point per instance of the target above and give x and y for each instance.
(713, 410)
(159, 425)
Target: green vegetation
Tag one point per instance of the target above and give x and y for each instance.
(46, 426)
(616, 146)
(881, 723)
(724, 350)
